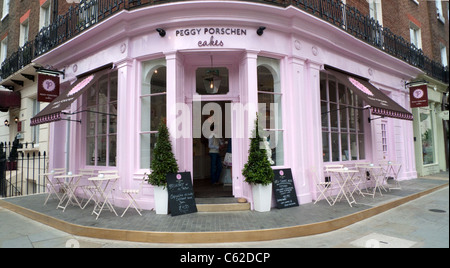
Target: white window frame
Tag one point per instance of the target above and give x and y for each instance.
(108, 113)
(45, 14)
(415, 34)
(440, 11)
(3, 50)
(334, 110)
(276, 142)
(148, 69)
(6, 4)
(24, 32)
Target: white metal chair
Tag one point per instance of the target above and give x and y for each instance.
(392, 170)
(88, 189)
(53, 186)
(131, 201)
(323, 186)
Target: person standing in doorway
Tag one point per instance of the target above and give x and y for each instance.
(214, 144)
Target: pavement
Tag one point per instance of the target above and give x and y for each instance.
(422, 222)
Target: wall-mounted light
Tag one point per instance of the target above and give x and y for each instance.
(161, 32)
(6, 123)
(16, 119)
(260, 30)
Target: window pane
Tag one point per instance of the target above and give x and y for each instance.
(113, 86)
(112, 118)
(335, 146)
(332, 88)
(353, 147)
(343, 118)
(112, 150)
(275, 143)
(153, 110)
(90, 151)
(101, 151)
(148, 141)
(362, 151)
(91, 118)
(323, 86)
(345, 154)
(103, 90)
(325, 114)
(92, 96)
(158, 80)
(325, 147)
(212, 81)
(342, 94)
(102, 126)
(269, 108)
(333, 117)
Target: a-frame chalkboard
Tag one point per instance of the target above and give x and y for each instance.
(284, 189)
(181, 194)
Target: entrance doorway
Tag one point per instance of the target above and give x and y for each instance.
(220, 124)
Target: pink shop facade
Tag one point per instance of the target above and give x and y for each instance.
(183, 61)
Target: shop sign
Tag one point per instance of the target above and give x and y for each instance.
(48, 87)
(418, 96)
(210, 36)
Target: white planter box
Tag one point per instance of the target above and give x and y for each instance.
(161, 199)
(262, 197)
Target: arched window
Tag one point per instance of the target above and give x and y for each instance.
(153, 107)
(269, 106)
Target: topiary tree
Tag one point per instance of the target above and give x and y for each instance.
(257, 170)
(163, 160)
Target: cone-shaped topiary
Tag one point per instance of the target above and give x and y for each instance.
(257, 170)
(163, 160)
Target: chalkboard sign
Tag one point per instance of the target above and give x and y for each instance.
(284, 189)
(181, 194)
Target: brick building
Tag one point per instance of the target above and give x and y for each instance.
(21, 22)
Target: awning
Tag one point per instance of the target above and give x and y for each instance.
(54, 110)
(9, 99)
(379, 103)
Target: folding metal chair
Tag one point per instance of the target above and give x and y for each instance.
(323, 186)
(131, 201)
(88, 189)
(53, 186)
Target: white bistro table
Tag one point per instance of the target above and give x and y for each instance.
(344, 177)
(70, 183)
(101, 184)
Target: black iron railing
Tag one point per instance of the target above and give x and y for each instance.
(19, 171)
(347, 18)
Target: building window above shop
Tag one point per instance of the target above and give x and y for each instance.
(270, 107)
(153, 107)
(101, 118)
(212, 80)
(342, 121)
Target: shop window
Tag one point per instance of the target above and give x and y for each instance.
(270, 105)
(342, 121)
(426, 131)
(212, 80)
(153, 107)
(101, 118)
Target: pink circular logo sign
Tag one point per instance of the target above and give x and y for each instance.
(281, 172)
(360, 86)
(178, 176)
(80, 85)
(48, 85)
